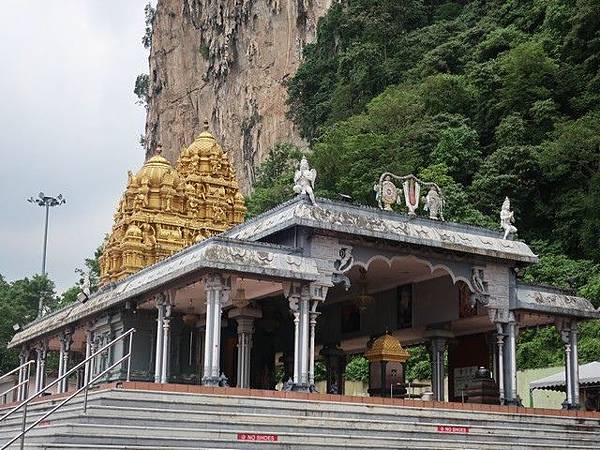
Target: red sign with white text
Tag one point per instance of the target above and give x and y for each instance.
(452, 429)
(257, 437)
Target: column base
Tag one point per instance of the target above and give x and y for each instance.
(221, 381)
(570, 406)
(290, 386)
(513, 402)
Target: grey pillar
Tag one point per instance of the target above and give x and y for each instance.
(217, 294)
(160, 306)
(510, 361)
(438, 350)
(500, 360)
(66, 339)
(245, 318)
(568, 334)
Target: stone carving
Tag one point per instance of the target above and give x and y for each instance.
(387, 194)
(507, 218)
(304, 180)
(480, 288)
(344, 262)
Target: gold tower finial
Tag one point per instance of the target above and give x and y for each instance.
(205, 126)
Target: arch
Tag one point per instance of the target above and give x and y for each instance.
(431, 265)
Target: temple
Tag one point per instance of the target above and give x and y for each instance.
(218, 301)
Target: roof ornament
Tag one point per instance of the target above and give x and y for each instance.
(304, 180)
(388, 194)
(507, 218)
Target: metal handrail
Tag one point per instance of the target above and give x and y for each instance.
(87, 384)
(21, 382)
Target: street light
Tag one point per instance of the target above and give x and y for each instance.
(47, 201)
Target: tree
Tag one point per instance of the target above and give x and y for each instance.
(19, 306)
(274, 181)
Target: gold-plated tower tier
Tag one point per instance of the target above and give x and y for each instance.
(165, 209)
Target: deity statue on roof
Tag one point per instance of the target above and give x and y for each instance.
(434, 203)
(507, 218)
(304, 180)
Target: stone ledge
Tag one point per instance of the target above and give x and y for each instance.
(371, 401)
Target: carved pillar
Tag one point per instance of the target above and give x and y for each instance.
(304, 336)
(510, 392)
(23, 374)
(40, 372)
(568, 333)
(66, 339)
(438, 350)
(160, 300)
(166, 342)
(217, 291)
(245, 328)
(574, 365)
(303, 301)
(313, 322)
(500, 360)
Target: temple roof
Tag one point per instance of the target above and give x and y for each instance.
(376, 223)
(216, 254)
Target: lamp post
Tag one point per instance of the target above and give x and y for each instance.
(48, 202)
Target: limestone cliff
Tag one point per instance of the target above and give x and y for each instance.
(226, 61)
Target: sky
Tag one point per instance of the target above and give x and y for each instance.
(69, 124)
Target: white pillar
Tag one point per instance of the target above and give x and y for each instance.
(294, 304)
(574, 365)
(208, 335)
(41, 350)
(217, 291)
(166, 341)
(160, 306)
(216, 351)
(313, 322)
(23, 372)
(66, 339)
(511, 349)
(88, 353)
(304, 338)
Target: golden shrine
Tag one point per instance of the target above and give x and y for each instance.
(165, 209)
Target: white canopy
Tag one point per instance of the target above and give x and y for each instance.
(588, 374)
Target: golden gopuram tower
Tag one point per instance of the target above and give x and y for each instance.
(165, 209)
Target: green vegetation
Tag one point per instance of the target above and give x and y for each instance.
(19, 304)
(488, 99)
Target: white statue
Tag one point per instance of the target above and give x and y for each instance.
(433, 204)
(507, 218)
(304, 180)
(86, 288)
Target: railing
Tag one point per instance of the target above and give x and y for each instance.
(87, 383)
(23, 380)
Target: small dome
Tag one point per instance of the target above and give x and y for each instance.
(386, 348)
(155, 169)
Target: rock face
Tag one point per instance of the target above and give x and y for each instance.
(226, 61)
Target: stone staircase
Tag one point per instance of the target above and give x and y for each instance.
(150, 419)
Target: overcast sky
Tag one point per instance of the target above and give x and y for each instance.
(69, 124)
